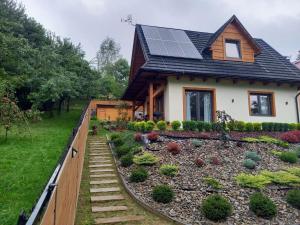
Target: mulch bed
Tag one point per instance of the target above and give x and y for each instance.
(190, 189)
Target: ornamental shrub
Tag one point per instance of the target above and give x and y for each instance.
(298, 126)
(213, 182)
(249, 163)
(215, 127)
(200, 125)
(173, 147)
(262, 205)
(249, 127)
(138, 137)
(290, 157)
(232, 125)
(114, 136)
(293, 198)
(140, 126)
(138, 175)
(146, 159)
(292, 126)
(130, 125)
(240, 126)
(176, 125)
(161, 125)
(163, 194)
(199, 162)
(253, 155)
(149, 126)
(122, 150)
(190, 125)
(297, 151)
(207, 126)
(196, 143)
(267, 126)
(169, 170)
(216, 208)
(252, 181)
(257, 126)
(291, 136)
(282, 177)
(153, 136)
(118, 142)
(126, 160)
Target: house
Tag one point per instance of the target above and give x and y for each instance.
(297, 63)
(187, 75)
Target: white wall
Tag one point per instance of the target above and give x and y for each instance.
(225, 92)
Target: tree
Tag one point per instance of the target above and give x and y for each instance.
(108, 53)
(298, 56)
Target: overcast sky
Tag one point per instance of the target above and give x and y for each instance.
(89, 21)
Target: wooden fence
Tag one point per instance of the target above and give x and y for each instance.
(57, 204)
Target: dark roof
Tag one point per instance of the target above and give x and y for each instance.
(269, 65)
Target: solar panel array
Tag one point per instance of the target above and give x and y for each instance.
(170, 42)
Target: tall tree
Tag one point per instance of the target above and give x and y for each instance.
(108, 53)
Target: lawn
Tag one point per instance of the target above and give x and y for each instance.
(28, 160)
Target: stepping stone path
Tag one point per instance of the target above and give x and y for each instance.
(105, 188)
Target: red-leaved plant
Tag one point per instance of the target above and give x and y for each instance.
(215, 161)
(173, 147)
(138, 137)
(291, 136)
(153, 136)
(199, 162)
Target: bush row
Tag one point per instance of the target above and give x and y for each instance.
(192, 125)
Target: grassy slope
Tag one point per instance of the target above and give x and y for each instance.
(26, 163)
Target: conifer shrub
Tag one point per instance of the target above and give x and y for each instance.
(138, 175)
(290, 157)
(149, 126)
(293, 198)
(249, 127)
(249, 163)
(153, 136)
(173, 147)
(146, 159)
(163, 194)
(253, 155)
(176, 125)
(199, 162)
(196, 143)
(262, 206)
(161, 125)
(169, 170)
(126, 160)
(122, 150)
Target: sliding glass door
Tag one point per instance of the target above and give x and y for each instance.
(199, 105)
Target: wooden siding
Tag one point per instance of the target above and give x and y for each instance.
(232, 32)
(138, 58)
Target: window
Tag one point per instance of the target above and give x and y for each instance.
(232, 48)
(261, 104)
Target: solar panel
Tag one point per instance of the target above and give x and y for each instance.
(170, 42)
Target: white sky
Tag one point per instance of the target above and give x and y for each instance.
(89, 21)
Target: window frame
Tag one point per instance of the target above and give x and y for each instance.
(272, 103)
(238, 43)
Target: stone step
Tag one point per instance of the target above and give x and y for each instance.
(100, 165)
(100, 157)
(101, 170)
(107, 198)
(109, 208)
(102, 175)
(118, 219)
(103, 182)
(105, 154)
(101, 190)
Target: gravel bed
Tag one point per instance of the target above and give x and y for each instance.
(190, 190)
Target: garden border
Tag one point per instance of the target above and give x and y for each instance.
(134, 197)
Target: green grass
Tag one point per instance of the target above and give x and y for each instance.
(28, 160)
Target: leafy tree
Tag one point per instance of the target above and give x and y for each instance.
(108, 53)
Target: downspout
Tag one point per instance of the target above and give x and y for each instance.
(297, 107)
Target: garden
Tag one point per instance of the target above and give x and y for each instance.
(229, 171)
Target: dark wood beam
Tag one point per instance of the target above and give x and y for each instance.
(151, 102)
(159, 90)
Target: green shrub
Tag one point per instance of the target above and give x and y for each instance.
(250, 139)
(253, 155)
(168, 170)
(149, 125)
(215, 127)
(130, 125)
(252, 181)
(190, 125)
(257, 126)
(292, 126)
(249, 163)
(232, 126)
(162, 194)
(293, 198)
(276, 153)
(249, 127)
(207, 126)
(147, 159)
(114, 136)
(213, 182)
(140, 126)
(298, 126)
(138, 175)
(126, 160)
(175, 125)
(297, 152)
(240, 126)
(267, 126)
(216, 208)
(200, 125)
(196, 143)
(262, 206)
(161, 125)
(282, 177)
(137, 149)
(122, 150)
(294, 170)
(118, 141)
(290, 157)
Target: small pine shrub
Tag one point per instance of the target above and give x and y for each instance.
(173, 147)
(213, 182)
(249, 127)
(163, 194)
(262, 206)
(140, 126)
(161, 125)
(253, 155)
(149, 126)
(216, 208)
(146, 159)
(240, 126)
(215, 161)
(138, 137)
(153, 136)
(118, 142)
(252, 181)
(249, 163)
(122, 150)
(126, 160)
(293, 198)
(199, 162)
(138, 175)
(290, 157)
(169, 170)
(176, 125)
(196, 143)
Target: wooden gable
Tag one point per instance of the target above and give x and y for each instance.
(233, 31)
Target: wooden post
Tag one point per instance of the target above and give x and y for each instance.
(133, 110)
(151, 101)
